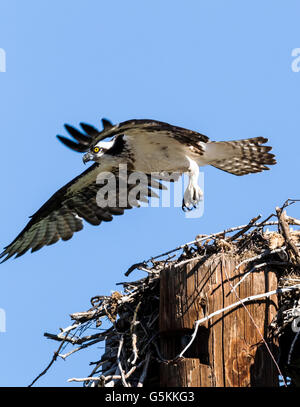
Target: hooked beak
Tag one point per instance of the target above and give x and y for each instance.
(87, 157)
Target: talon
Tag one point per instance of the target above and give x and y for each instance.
(192, 196)
(186, 208)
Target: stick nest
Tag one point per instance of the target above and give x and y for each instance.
(127, 320)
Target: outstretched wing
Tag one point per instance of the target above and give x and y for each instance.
(64, 212)
(136, 127)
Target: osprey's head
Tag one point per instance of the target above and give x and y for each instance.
(97, 151)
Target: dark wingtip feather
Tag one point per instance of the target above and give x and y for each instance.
(107, 124)
(2, 255)
(72, 145)
(77, 135)
(90, 130)
(7, 254)
(22, 252)
(262, 140)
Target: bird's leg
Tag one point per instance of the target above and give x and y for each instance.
(193, 194)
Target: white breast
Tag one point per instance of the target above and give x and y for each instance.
(158, 153)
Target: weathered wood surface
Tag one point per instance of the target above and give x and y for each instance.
(228, 350)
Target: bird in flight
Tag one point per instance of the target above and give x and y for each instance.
(144, 146)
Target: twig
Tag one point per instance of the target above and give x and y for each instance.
(68, 329)
(245, 229)
(187, 261)
(106, 378)
(87, 379)
(133, 334)
(286, 233)
(50, 364)
(86, 345)
(145, 370)
(135, 266)
(292, 348)
(77, 341)
(119, 361)
(292, 221)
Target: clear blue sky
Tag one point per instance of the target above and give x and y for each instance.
(221, 68)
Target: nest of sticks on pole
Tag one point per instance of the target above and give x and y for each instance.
(127, 321)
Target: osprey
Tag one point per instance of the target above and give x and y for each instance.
(145, 146)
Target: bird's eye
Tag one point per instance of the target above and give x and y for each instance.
(96, 149)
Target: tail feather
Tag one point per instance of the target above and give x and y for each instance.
(241, 157)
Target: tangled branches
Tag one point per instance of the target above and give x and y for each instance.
(130, 317)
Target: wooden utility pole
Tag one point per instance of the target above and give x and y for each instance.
(228, 350)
